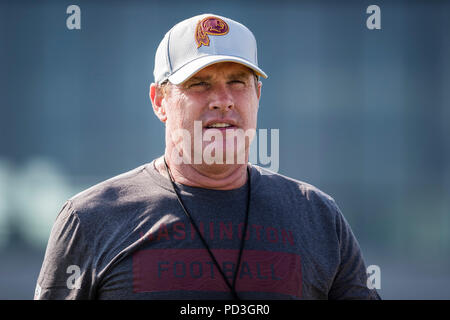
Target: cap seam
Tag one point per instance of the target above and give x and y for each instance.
(256, 52)
(169, 63)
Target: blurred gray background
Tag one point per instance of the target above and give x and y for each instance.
(362, 114)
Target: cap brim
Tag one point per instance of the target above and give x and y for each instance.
(195, 66)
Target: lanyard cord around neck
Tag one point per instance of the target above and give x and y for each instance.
(233, 285)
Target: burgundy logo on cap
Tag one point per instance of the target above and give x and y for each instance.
(209, 26)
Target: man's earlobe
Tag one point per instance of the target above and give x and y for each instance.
(162, 115)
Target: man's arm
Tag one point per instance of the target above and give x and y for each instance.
(350, 281)
(66, 272)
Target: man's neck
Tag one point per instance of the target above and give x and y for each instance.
(218, 177)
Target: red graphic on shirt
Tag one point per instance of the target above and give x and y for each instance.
(193, 270)
(223, 230)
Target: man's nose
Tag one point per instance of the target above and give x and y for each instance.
(221, 98)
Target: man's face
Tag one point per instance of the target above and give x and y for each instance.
(224, 97)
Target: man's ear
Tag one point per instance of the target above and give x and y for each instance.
(156, 97)
(258, 90)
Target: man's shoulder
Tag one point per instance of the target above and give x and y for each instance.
(288, 186)
(116, 191)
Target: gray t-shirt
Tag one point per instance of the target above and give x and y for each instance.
(128, 238)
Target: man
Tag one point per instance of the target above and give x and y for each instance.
(201, 222)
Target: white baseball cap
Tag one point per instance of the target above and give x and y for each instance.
(200, 41)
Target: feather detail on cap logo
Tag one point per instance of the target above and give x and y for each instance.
(209, 26)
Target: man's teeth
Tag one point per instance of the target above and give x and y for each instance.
(219, 125)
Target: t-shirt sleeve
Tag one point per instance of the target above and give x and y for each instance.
(66, 271)
(350, 281)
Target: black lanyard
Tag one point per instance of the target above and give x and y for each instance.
(233, 285)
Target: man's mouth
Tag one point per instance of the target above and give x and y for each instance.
(219, 125)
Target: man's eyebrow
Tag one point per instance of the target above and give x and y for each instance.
(239, 75)
(197, 78)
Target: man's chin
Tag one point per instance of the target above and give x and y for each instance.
(212, 155)
(224, 156)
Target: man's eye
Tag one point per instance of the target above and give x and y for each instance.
(239, 82)
(198, 84)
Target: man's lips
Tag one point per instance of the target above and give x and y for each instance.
(221, 124)
(220, 128)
